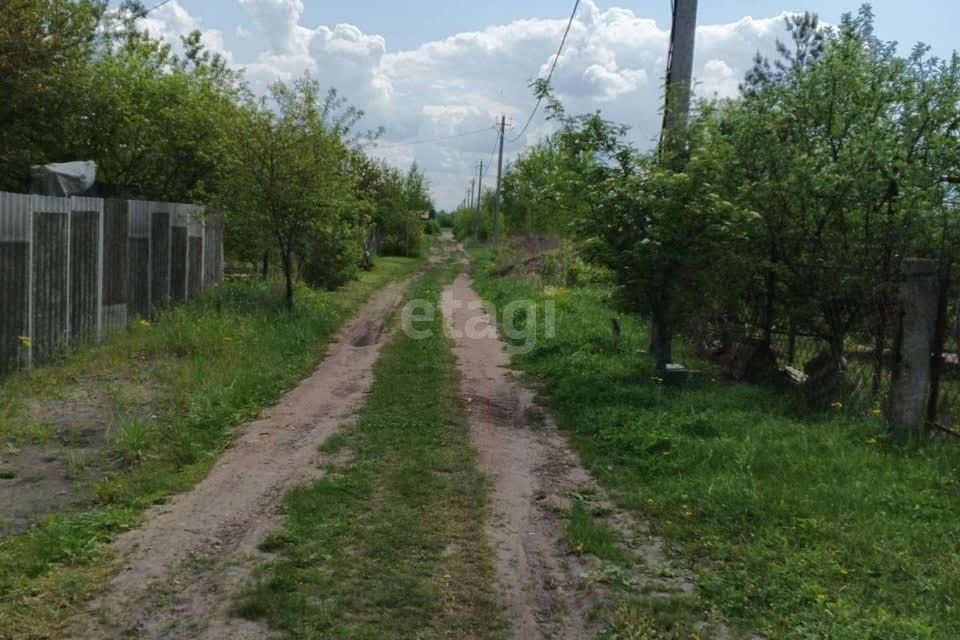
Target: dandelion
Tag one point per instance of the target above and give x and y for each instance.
(579, 549)
(144, 323)
(877, 412)
(25, 341)
(871, 441)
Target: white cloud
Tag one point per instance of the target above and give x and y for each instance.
(171, 21)
(614, 60)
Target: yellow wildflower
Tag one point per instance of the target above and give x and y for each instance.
(877, 412)
(871, 441)
(25, 341)
(821, 598)
(144, 323)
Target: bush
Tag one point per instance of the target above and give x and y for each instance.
(333, 260)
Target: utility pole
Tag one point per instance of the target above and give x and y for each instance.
(476, 217)
(679, 75)
(496, 202)
(673, 141)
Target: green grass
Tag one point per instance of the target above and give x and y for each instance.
(797, 526)
(391, 545)
(201, 369)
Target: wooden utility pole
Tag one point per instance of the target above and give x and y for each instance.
(673, 142)
(476, 217)
(496, 202)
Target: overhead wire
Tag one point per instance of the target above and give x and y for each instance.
(154, 7)
(431, 140)
(553, 68)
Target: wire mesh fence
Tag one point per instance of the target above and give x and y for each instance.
(858, 373)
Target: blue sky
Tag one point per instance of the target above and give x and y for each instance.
(432, 68)
(934, 21)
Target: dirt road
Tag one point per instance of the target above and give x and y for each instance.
(181, 569)
(532, 470)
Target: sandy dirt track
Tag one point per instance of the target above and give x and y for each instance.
(532, 470)
(180, 570)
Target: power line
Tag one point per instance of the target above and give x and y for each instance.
(416, 142)
(494, 150)
(552, 69)
(154, 8)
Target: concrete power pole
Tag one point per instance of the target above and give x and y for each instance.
(679, 75)
(476, 216)
(496, 203)
(673, 141)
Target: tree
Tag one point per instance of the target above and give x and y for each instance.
(840, 155)
(44, 45)
(289, 176)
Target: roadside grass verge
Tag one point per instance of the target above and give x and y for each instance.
(391, 543)
(171, 393)
(796, 526)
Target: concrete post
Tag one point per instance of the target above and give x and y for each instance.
(911, 376)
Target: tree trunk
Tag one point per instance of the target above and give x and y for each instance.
(837, 339)
(661, 341)
(288, 276)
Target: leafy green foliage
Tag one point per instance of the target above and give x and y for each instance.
(789, 208)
